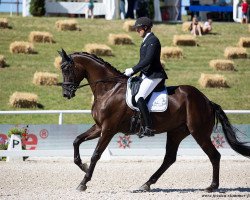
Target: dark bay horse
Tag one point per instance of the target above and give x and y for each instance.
(189, 112)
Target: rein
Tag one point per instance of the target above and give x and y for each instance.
(109, 79)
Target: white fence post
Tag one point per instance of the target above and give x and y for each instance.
(60, 118)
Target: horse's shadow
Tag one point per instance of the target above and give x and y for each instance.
(221, 190)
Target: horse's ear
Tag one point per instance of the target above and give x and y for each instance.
(64, 55)
(60, 53)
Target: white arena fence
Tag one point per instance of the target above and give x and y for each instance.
(46, 140)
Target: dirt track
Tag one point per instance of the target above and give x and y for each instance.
(56, 178)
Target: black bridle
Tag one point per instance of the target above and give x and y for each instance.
(73, 86)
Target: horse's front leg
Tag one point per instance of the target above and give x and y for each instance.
(90, 134)
(101, 146)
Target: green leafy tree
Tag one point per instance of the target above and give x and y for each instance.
(37, 7)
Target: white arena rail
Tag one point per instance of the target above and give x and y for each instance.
(61, 112)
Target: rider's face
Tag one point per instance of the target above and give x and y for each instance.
(141, 31)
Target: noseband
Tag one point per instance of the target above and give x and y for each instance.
(70, 86)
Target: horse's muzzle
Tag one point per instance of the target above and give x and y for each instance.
(68, 90)
(68, 95)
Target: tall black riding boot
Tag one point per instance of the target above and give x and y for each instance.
(141, 104)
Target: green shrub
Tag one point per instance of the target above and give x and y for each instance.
(3, 146)
(37, 7)
(16, 131)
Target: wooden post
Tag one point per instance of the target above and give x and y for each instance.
(17, 7)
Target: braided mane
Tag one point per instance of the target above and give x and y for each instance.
(99, 60)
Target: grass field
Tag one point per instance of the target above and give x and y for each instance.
(17, 76)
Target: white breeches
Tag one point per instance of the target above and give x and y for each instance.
(146, 87)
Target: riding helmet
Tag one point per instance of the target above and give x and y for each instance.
(143, 21)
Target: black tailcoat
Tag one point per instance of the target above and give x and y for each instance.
(150, 62)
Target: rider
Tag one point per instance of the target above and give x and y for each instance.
(152, 72)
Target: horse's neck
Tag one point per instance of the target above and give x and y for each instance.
(99, 76)
(97, 72)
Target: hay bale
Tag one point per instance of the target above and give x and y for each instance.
(119, 39)
(184, 40)
(235, 52)
(43, 37)
(66, 25)
(171, 52)
(213, 81)
(186, 26)
(223, 65)
(92, 99)
(2, 61)
(23, 100)
(244, 42)
(129, 25)
(99, 49)
(22, 47)
(4, 23)
(163, 64)
(45, 78)
(58, 62)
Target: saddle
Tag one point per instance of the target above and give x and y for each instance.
(157, 101)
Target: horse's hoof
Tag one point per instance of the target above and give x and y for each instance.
(81, 188)
(145, 188)
(211, 189)
(84, 167)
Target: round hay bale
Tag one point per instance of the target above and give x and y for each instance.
(2, 61)
(45, 78)
(222, 65)
(235, 52)
(184, 40)
(42, 37)
(119, 39)
(213, 81)
(171, 52)
(23, 100)
(99, 49)
(22, 47)
(4, 23)
(58, 62)
(66, 25)
(244, 42)
(129, 25)
(186, 26)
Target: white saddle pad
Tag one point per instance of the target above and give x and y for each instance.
(158, 101)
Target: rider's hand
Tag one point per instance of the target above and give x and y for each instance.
(129, 72)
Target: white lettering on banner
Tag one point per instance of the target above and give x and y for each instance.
(60, 138)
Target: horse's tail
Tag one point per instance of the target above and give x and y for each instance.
(230, 131)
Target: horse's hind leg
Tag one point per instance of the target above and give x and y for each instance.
(173, 140)
(214, 156)
(90, 134)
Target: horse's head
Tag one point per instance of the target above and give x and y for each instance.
(70, 83)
